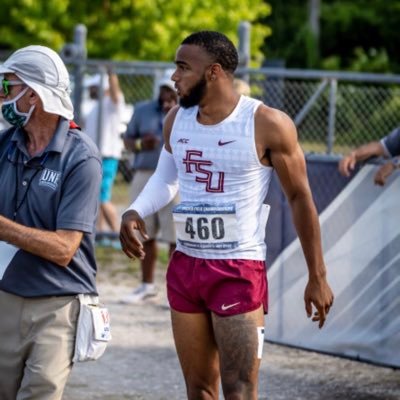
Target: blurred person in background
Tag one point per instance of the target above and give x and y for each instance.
(144, 138)
(106, 132)
(241, 86)
(387, 147)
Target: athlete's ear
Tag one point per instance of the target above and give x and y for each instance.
(214, 71)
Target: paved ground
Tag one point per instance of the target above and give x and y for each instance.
(140, 364)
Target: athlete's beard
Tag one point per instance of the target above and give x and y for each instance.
(195, 95)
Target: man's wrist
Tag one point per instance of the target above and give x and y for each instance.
(317, 274)
(396, 163)
(130, 211)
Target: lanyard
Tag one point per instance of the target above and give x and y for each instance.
(40, 167)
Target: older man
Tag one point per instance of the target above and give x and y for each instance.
(49, 179)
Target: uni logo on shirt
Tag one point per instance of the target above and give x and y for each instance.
(50, 178)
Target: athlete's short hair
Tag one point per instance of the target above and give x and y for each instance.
(218, 46)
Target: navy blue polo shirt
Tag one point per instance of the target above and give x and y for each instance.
(147, 118)
(58, 189)
(391, 143)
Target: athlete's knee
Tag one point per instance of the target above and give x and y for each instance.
(203, 387)
(238, 385)
(240, 391)
(202, 392)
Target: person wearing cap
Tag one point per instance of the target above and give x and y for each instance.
(49, 179)
(106, 132)
(144, 137)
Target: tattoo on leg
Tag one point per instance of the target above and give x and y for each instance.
(238, 343)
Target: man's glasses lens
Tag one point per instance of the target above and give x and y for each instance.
(5, 84)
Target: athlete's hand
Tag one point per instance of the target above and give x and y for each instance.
(130, 243)
(319, 294)
(383, 173)
(347, 164)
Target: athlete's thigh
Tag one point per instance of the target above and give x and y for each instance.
(196, 347)
(239, 344)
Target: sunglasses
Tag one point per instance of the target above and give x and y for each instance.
(5, 84)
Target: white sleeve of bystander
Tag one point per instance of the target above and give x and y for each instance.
(160, 189)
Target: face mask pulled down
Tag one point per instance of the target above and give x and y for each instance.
(11, 113)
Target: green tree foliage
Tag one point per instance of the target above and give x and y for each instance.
(357, 35)
(290, 33)
(128, 29)
(363, 33)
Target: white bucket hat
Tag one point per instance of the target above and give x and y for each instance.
(43, 70)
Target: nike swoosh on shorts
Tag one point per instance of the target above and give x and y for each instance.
(226, 307)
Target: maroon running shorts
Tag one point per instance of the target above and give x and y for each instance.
(225, 287)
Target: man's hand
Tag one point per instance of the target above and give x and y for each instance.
(347, 164)
(150, 141)
(383, 173)
(131, 245)
(319, 294)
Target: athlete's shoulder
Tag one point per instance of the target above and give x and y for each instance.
(273, 117)
(274, 128)
(171, 115)
(168, 124)
(270, 119)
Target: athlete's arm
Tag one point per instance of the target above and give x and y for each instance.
(276, 132)
(157, 193)
(371, 149)
(167, 127)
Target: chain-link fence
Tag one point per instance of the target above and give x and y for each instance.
(334, 112)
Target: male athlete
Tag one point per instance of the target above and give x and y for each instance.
(221, 148)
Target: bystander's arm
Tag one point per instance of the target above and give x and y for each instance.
(385, 171)
(362, 153)
(58, 246)
(115, 90)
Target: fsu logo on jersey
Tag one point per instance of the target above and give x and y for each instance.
(196, 165)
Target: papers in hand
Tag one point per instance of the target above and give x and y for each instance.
(7, 253)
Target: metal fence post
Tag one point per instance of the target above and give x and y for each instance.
(244, 47)
(75, 53)
(331, 115)
(100, 109)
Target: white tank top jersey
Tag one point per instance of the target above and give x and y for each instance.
(222, 185)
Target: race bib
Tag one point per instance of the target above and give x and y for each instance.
(206, 226)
